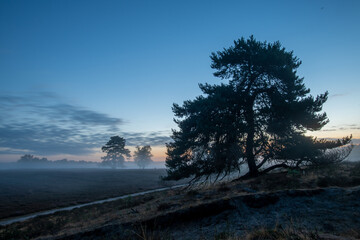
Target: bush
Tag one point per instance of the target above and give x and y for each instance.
(192, 193)
(355, 169)
(338, 181)
(223, 188)
(164, 206)
(282, 234)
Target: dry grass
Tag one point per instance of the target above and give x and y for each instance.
(279, 233)
(340, 175)
(26, 191)
(139, 208)
(355, 169)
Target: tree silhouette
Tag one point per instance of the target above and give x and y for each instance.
(115, 152)
(258, 117)
(142, 156)
(28, 158)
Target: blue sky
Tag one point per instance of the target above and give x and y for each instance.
(74, 73)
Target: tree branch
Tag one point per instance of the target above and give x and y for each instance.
(281, 165)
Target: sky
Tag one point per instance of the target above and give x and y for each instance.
(75, 73)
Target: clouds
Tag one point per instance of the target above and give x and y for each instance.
(83, 116)
(342, 128)
(150, 138)
(43, 124)
(340, 131)
(336, 95)
(45, 139)
(46, 106)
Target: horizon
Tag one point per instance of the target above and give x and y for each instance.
(73, 74)
(161, 159)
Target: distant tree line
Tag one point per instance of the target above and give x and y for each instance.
(115, 150)
(27, 158)
(31, 159)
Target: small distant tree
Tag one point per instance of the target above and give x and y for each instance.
(142, 156)
(115, 152)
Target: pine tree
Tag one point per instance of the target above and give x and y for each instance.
(258, 117)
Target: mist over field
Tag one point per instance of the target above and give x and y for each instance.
(179, 120)
(354, 155)
(75, 165)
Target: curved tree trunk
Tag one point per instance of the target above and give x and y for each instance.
(250, 156)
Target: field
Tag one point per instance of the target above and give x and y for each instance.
(32, 190)
(315, 204)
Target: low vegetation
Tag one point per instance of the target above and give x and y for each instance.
(162, 215)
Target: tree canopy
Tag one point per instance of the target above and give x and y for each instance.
(142, 156)
(115, 152)
(257, 117)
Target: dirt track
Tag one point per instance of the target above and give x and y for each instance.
(31, 190)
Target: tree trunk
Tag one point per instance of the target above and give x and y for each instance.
(250, 157)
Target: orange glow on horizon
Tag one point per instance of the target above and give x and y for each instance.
(159, 152)
(335, 134)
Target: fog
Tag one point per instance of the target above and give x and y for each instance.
(75, 165)
(354, 155)
(68, 164)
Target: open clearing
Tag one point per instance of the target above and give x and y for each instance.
(314, 205)
(32, 190)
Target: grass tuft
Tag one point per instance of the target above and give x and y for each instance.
(279, 233)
